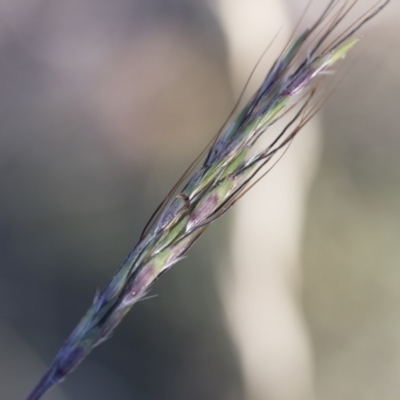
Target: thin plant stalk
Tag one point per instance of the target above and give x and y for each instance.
(223, 173)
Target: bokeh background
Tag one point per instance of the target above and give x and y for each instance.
(103, 105)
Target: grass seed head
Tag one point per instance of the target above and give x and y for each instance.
(212, 185)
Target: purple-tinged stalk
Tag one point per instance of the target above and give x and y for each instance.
(225, 174)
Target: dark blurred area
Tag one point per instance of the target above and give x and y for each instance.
(103, 106)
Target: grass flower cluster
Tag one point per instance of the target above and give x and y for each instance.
(224, 171)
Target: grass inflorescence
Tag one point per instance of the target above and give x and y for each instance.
(223, 172)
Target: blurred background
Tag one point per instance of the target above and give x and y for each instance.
(293, 295)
